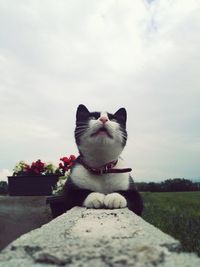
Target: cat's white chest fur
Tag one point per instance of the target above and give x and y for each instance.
(106, 183)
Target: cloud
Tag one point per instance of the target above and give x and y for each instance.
(142, 55)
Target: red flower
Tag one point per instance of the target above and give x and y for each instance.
(65, 159)
(61, 165)
(72, 158)
(37, 167)
(67, 163)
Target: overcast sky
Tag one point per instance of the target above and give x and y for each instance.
(143, 55)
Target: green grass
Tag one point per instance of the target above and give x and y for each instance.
(177, 214)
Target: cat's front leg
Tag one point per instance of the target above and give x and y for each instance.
(115, 201)
(94, 200)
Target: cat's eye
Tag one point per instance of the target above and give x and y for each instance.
(114, 120)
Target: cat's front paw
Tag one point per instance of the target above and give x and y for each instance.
(94, 200)
(115, 201)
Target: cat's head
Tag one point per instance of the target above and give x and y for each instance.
(98, 130)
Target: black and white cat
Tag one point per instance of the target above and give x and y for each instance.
(99, 178)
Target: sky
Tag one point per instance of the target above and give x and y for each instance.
(142, 55)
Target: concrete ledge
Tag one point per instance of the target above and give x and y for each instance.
(88, 237)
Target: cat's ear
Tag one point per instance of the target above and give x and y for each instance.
(121, 115)
(82, 112)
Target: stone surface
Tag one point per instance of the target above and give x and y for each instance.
(88, 237)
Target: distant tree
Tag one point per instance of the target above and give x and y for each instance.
(3, 187)
(169, 185)
(153, 187)
(142, 186)
(195, 187)
(177, 184)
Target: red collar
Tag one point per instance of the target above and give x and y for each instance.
(106, 168)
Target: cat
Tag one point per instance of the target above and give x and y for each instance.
(99, 178)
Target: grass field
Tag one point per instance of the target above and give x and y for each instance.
(177, 214)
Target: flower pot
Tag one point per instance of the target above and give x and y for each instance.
(57, 205)
(32, 185)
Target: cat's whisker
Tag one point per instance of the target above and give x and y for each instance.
(122, 132)
(82, 123)
(81, 127)
(124, 136)
(109, 126)
(78, 135)
(80, 132)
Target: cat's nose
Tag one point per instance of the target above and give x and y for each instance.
(103, 119)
